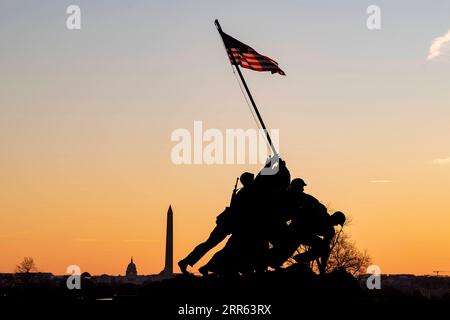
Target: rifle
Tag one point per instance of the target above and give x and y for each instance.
(234, 191)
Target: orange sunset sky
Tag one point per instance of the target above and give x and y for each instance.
(86, 117)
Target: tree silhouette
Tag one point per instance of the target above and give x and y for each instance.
(343, 255)
(26, 266)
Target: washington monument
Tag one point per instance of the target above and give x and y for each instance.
(168, 268)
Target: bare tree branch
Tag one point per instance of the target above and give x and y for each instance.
(26, 266)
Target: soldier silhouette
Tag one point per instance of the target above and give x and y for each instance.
(272, 190)
(318, 238)
(256, 223)
(225, 222)
(228, 260)
(311, 225)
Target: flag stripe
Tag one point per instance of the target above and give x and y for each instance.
(247, 57)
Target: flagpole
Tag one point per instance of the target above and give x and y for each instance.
(216, 22)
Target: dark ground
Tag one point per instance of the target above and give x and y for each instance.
(286, 294)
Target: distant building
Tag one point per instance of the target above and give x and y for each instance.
(430, 287)
(131, 272)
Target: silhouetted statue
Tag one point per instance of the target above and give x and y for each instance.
(320, 247)
(269, 211)
(258, 221)
(245, 244)
(271, 200)
(225, 222)
(311, 225)
(276, 180)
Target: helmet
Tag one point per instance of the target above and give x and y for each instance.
(246, 178)
(298, 183)
(339, 218)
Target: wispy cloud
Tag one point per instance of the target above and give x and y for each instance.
(441, 160)
(438, 45)
(380, 181)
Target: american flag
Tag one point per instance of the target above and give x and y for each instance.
(247, 57)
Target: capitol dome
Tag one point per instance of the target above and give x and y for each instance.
(131, 269)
